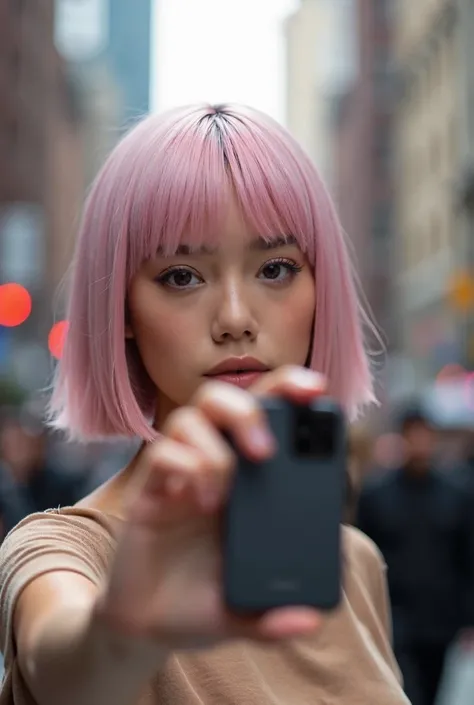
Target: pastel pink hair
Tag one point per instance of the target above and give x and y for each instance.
(172, 176)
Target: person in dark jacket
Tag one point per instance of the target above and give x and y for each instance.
(14, 505)
(29, 479)
(423, 522)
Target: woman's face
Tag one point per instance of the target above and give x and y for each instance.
(239, 300)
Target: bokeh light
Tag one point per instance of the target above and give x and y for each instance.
(15, 304)
(57, 338)
(450, 372)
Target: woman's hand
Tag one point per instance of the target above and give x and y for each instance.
(165, 581)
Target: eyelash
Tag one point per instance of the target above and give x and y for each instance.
(290, 264)
(164, 278)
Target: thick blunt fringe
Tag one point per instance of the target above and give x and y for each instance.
(171, 176)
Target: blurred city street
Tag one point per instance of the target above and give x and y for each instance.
(380, 94)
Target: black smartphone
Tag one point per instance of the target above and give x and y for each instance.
(282, 524)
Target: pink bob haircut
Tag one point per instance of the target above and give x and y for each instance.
(170, 177)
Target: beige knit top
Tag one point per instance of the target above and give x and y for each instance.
(349, 661)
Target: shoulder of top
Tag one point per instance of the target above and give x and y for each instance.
(361, 548)
(64, 519)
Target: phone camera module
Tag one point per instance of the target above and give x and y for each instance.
(314, 434)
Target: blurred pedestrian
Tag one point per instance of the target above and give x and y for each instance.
(14, 505)
(30, 480)
(422, 519)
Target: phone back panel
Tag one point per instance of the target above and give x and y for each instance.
(283, 522)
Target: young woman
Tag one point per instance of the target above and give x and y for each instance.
(210, 270)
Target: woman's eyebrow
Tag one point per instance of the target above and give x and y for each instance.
(258, 243)
(272, 243)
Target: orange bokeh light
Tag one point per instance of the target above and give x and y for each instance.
(15, 305)
(57, 338)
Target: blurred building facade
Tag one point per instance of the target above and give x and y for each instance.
(319, 63)
(341, 94)
(464, 192)
(362, 136)
(107, 44)
(129, 55)
(82, 38)
(26, 71)
(427, 123)
(40, 169)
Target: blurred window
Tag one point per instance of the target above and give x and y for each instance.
(21, 234)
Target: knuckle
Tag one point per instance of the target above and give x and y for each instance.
(178, 418)
(297, 374)
(252, 415)
(208, 393)
(171, 454)
(287, 372)
(226, 397)
(157, 451)
(278, 377)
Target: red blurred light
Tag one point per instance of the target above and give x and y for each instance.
(57, 338)
(15, 304)
(450, 372)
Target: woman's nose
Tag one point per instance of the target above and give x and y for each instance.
(234, 318)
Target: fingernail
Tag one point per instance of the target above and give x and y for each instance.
(261, 440)
(309, 379)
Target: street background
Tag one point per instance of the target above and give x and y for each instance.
(381, 95)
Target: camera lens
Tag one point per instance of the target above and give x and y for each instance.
(314, 433)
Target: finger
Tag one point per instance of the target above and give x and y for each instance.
(191, 427)
(238, 412)
(173, 471)
(281, 623)
(289, 622)
(170, 460)
(299, 384)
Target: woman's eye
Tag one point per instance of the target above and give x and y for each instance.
(279, 270)
(180, 279)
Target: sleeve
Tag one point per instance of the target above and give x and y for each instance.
(381, 599)
(44, 543)
(382, 608)
(370, 597)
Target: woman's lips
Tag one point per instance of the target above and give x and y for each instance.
(240, 371)
(243, 379)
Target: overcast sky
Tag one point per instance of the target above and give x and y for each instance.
(220, 50)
